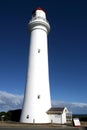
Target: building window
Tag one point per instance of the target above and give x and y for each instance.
(38, 96)
(38, 50)
(27, 116)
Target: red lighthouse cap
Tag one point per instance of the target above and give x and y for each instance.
(38, 8)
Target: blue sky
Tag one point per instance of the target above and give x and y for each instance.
(67, 46)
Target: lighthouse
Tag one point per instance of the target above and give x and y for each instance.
(37, 99)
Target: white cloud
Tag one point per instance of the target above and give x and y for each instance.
(81, 105)
(10, 101)
(75, 107)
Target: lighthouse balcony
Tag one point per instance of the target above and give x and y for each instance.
(39, 18)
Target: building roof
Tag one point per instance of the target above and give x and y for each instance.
(55, 110)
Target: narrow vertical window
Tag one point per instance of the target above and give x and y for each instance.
(27, 116)
(38, 50)
(38, 96)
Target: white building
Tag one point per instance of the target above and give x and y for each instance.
(59, 115)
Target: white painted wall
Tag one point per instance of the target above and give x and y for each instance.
(59, 118)
(55, 118)
(63, 118)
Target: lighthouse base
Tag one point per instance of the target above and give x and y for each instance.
(38, 119)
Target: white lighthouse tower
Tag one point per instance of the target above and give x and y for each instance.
(37, 93)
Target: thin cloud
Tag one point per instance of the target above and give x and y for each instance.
(75, 107)
(10, 101)
(82, 105)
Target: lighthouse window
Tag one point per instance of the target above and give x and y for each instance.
(38, 96)
(38, 50)
(27, 116)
